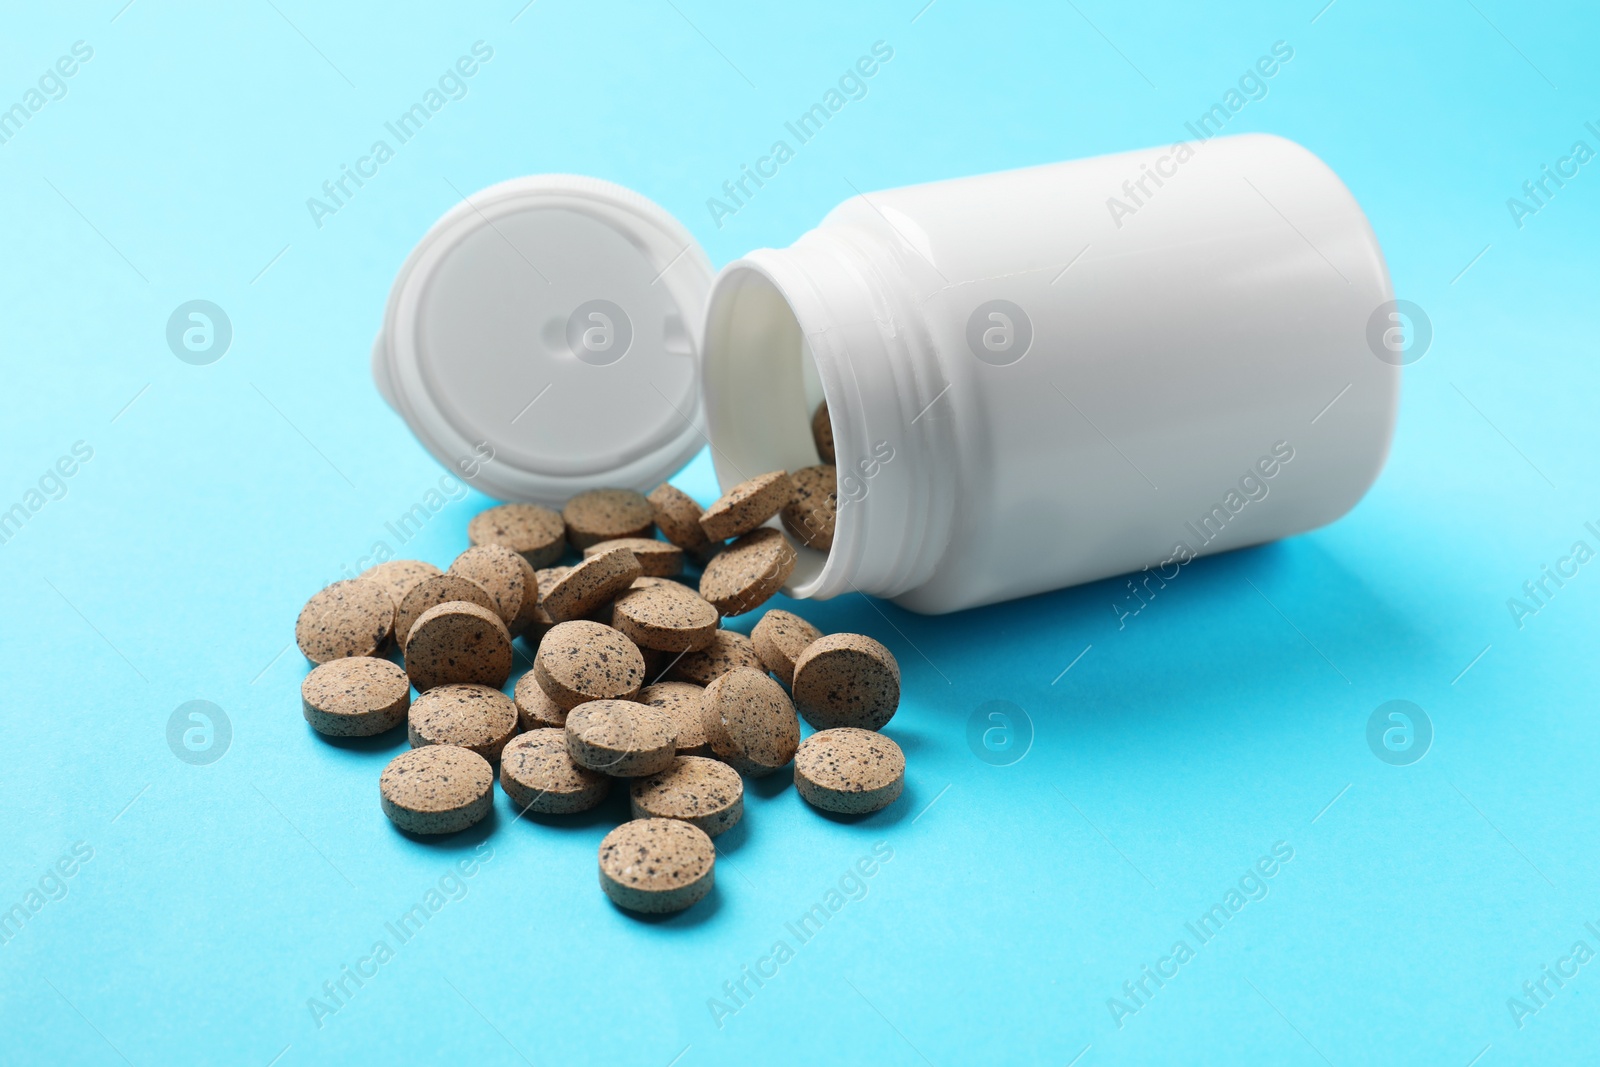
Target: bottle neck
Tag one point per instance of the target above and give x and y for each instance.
(857, 317)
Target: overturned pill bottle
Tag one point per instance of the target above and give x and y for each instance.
(1035, 378)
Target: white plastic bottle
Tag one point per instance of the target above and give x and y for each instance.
(1036, 378)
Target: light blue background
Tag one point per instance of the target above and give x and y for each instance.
(1173, 753)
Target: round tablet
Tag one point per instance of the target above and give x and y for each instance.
(702, 792)
(813, 512)
(677, 516)
(780, 637)
(471, 716)
(436, 790)
(458, 642)
(358, 696)
(658, 559)
(846, 680)
(681, 703)
(747, 505)
(748, 571)
(620, 738)
(350, 618)
(656, 865)
(750, 722)
(430, 593)
(535, 709)
(400, 576)
(822, 432)
(509, 579)
(849, 771)
(728, 649)
(606, 514)
(537, 533)
(590, 585)
(666, 617)
(581, 661)
(538, 774)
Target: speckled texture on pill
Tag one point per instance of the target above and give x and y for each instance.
(747, 505)
(822, 432)
(358, 696)
(846, 680)
(538, 774)
(590, 585)
(606, 514)
(656, 866)
(750, 722)
(430, 593)
(728, 650)
(471, 716)
(658, 559)
(509, 580)
(667, 617)
(748, 571)
(538, 534)
(400, 576)
(678, 517)
(458, 642)
(620, 737)
(581, 661)
(780, 637)
(350, 618)
(702, 792)
(681, 703)
(436, 790)
(547, 576)
(814, 511)
(849, 771)
(535, 709)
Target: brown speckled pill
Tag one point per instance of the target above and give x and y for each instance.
(350, 618)
(430, 593)
(508, 578)
(849, 771)
(400, 576)
(814, 511)
(458, 642)
(537, 533)
(678, 517)
(846, 680)
(747, 572)
(702, 792)
(822, 432)
(681, 703)
(436, 790)
(667, 617)
(357, 696)
(535, 709)
(780, 637)
(606, 514)
(470, 716)
(750, 722)
(658, 559)
(590, 585)
(728, 649)
(581, 661)
(620, 737)
(747, 505)
(538, 774)
(656, 866)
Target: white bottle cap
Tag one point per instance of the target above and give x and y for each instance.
(543, 338)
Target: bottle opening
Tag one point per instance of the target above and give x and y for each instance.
(762, 386)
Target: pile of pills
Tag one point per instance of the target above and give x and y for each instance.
(633, 680)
